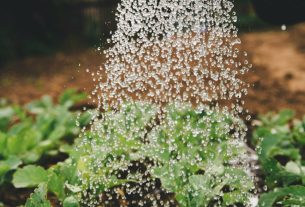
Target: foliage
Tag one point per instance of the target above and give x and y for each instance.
(38, 198)
(60, 179)
(287, 196)
(193, 149)
(281, 148)
(6, 113)
(194, 163)
(29, 176)
(40, 129)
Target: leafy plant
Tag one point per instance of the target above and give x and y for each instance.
(281, 148)
(188, 150)
(39, 129)
(194, 149)
(60, 179)
(39, 198)
(6, 114)
(287, 197)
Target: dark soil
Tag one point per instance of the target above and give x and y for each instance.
(13, 197)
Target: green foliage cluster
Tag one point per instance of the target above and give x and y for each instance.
(190, 151)
(40, 129)
(194, 166)
(193, 149)
(281, 150)
(61, 180)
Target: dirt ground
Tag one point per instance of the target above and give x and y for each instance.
(277, 79)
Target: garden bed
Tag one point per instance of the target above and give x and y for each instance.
(128, 158)
(275, 87)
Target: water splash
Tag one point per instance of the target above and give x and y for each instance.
(166, 55)
(173, 50)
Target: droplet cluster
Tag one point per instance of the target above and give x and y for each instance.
(170, 90)
(174, 50)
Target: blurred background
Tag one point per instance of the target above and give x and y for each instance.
(42, 27)
(47, 45)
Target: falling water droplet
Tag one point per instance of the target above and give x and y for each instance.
(184, 54)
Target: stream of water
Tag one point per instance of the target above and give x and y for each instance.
(184, 52)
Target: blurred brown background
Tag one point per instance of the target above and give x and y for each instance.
(47, 45)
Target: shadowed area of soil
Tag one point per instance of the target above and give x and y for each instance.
(277, 78)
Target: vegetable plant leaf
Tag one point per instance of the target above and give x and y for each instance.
(70, 97)
(6, 113)
(40, 106)
(7, 165)
(278, 196)
(29, 176)
(39, 197)
(70, 202)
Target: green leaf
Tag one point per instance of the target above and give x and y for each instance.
(293, 168)
(60, 176)
(6, 112)
(279, 148)
(200, 182)
(285, 116)
(9, 164)
(56, 185)
(29, 176)
(70, 202)
(13, 145)
(85, 118)
(280, 119)
(40, 106)
(31, 156)
(70, 97)
(299, 131)
(6, 115)
(29, 138)
(235, 197)
(65, 148)
(57, 133)
(3, 140)
(296, 193)
(45, 123)
(73, 188)
(39, 197)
